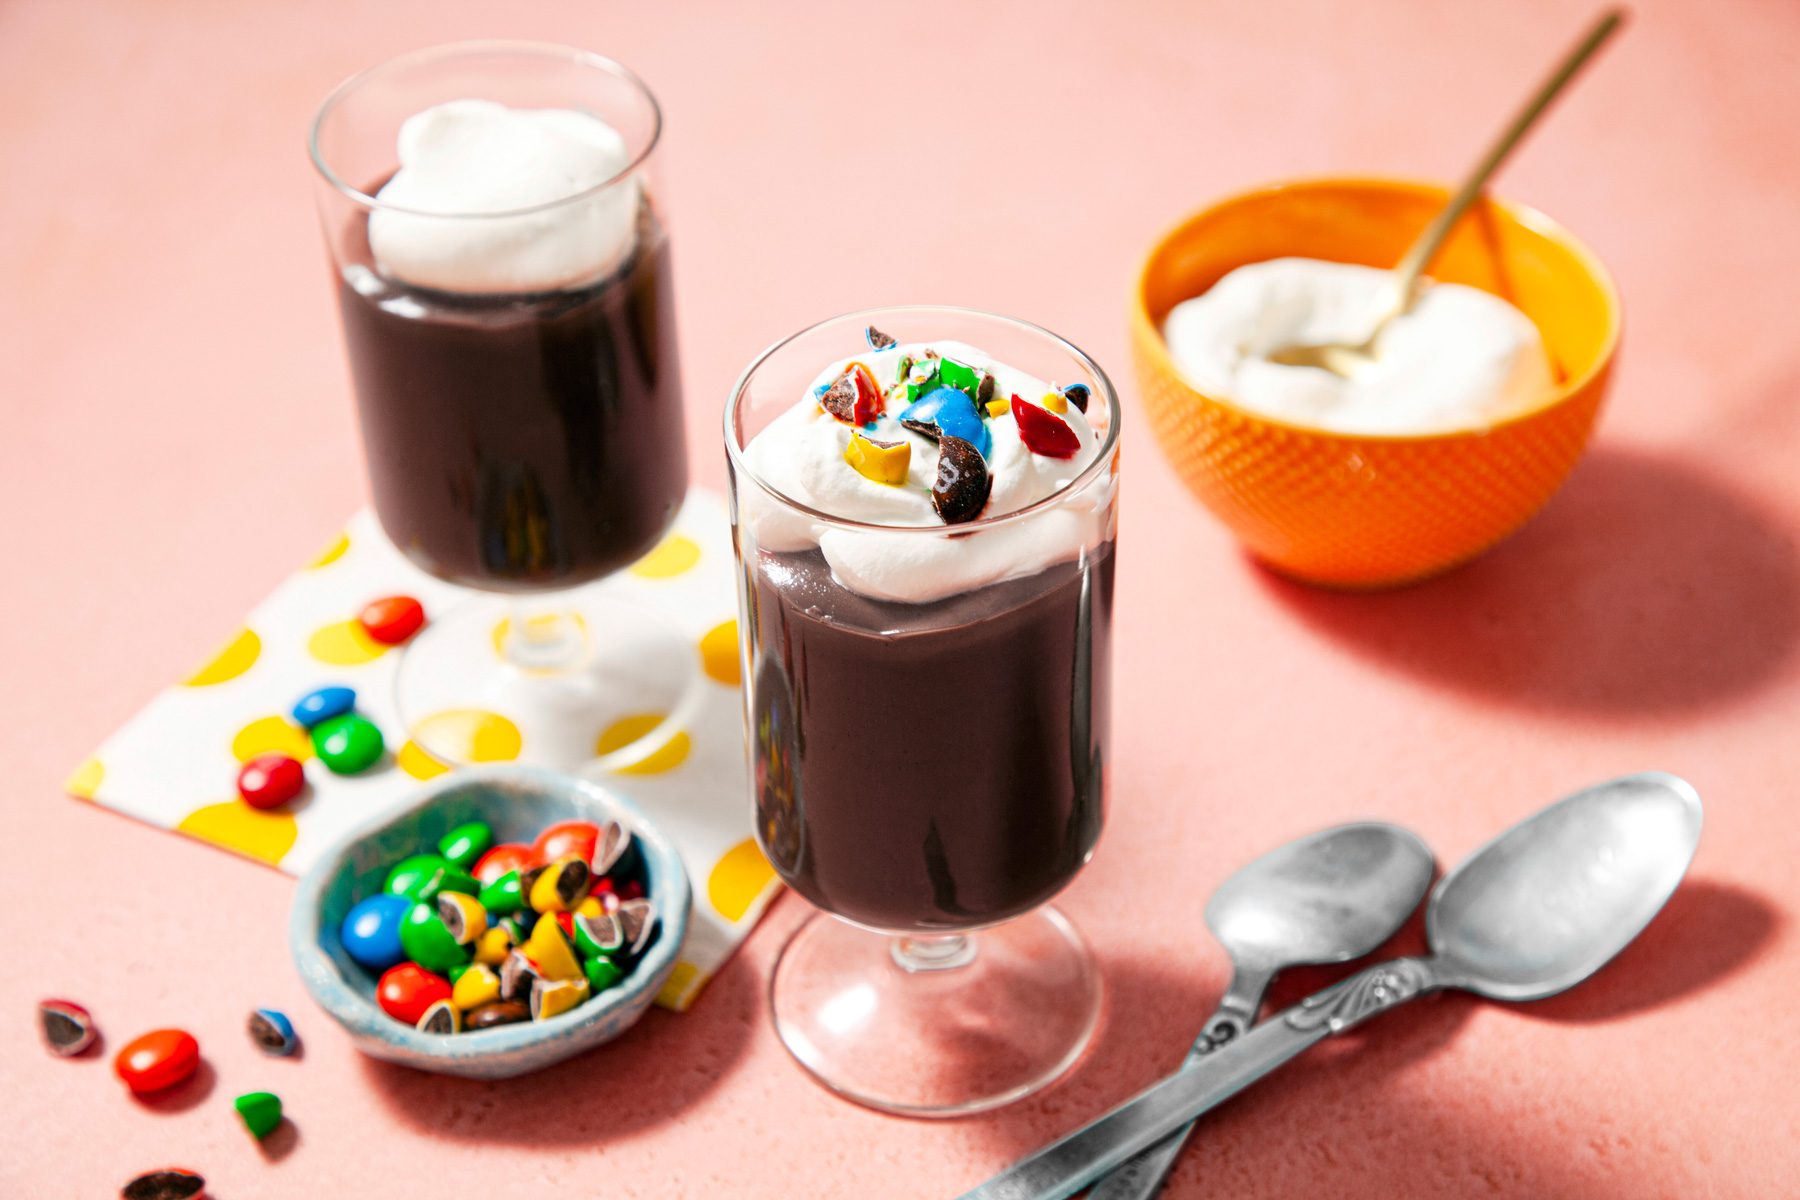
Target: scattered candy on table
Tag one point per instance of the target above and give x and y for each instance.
(322, 704)
(68, 1029)
(475, 936)
(348, 743)
(270, 780)
(391, 619)
(260, 1112)
(371, 931)
(170, 1183)
(158, 1060)
(272, 1032)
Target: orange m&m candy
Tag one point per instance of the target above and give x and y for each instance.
(160, 1059)
(392, 619)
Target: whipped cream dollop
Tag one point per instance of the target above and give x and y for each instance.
(469, 159)
(801, 454)
(1460, 358)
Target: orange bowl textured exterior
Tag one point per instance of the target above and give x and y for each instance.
(1362, 511)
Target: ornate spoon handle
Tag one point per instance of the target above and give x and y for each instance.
(1064, 1167)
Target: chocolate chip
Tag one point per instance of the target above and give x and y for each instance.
(497, 1013)
(985, 392)
(963, 482)
(925, 427)
(878, 339)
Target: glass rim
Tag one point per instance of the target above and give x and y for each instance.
(1101, 464)
(574, 54)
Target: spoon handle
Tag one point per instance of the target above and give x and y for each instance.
(1142, 1177)
(1419, 256)
(1064, 1167)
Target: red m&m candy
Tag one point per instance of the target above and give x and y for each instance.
(406, 991)
(160, 1059)
(567, 839)
(507, 856)
(270, 780)
(392, 619)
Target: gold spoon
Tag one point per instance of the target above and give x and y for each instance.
(1346, 358)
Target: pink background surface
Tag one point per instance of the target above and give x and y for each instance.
(178, 435)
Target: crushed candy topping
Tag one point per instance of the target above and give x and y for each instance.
(878, 339)
(883, 462)
(1043, 432)
(963, 482)
(853, 397)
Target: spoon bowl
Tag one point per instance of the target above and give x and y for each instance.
(1553, 899)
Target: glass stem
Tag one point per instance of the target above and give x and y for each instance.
(934, 952)
(540, 636)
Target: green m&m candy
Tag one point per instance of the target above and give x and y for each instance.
(422, 876)
(466, 843)
(601, 972)
(505, 895)
(963, 378)
(348, 744)
(428, 941)
(260, 1111)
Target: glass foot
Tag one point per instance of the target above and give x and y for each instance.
(573, 681)
(936, 1026)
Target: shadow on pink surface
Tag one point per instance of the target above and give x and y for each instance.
(1644, 588)
(183, 1096)
(648, 1076)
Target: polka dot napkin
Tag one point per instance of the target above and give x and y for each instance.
(174, 764)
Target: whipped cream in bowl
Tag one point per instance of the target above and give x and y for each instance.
(891, 531)
(1458, 359)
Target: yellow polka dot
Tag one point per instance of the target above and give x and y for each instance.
(503, 629)
(271, 735)
(679, 989)
(344, 644)
(84, 781)
(673, 555)
(626, 730)
(230, 662)
(738, 879)
(238, 827)
(465, 735)
(331, 554)
(416, 762)
(719, 653)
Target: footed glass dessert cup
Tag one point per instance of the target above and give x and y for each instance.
(928, 714)
(502, 271)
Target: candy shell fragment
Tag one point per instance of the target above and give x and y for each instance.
(879, 340)
(478, 985)
(598, 936)
(491, 947)
(270, 780)
(68, 1028)
(1044, 432)
(170, 1183)
(964, 379)
(406, 991)
(462, 915)
(601, 972)
(609, 849)
(260, 1112)
(505, 894)
(963, 483)
(1055, 402)
(553, 997)
(508, 856)
(853, 397)
(465, 844)
(549, 950)
(637, 920)
(561, 885)
(516, 974)
(272, 1032)
(158, 1060)
(442, 1017)
(391, 619)
(1077, 394)
(881, 462)
(947, 412)
(998, 408)
(322, 704)
(371, 931)
(500, 1012)
(348, 743)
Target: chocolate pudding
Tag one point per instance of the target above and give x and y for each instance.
(942, 774)
(524, 441)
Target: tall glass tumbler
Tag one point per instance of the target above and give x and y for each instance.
(929, 774)
(518, 385)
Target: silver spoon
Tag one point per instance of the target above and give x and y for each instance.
(1532, 913)
(1346, 358)
(1326, 898)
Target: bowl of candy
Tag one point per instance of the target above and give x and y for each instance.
(1372, 483)
(508, 919)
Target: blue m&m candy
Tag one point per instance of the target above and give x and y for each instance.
(322, 704)
(371, 932)
(949, 411)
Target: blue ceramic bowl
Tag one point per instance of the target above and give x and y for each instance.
(517, 802)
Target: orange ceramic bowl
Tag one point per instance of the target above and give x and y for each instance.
(1359, 510)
